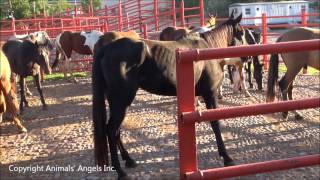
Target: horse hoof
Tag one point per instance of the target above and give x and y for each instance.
(285, 115)
(229, 163)
(122, 176)
(23, 130)
(28, 93)
(131, 163)
(298, 117)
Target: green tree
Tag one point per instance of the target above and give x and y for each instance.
(21, 8)
(58, 7)
(86, 4)
(41, 7)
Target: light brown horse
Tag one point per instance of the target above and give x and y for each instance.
(294, 63)
(172, 33)
(109, 37)
(8, 97)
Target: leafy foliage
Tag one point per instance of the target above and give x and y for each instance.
(86, 4)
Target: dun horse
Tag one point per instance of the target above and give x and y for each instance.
(123, 66)
(294, 63)
(8, 97)
(25, 59)
(174, 33)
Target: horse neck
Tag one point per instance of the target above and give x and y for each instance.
(220, 36)
(249, 37)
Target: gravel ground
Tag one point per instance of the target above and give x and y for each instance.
(62, 135)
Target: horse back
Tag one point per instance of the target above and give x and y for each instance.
(310, 58)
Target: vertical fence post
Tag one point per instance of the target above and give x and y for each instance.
(174, 17)
(304, 23)
(128, 21)
(107, 18)
(186, 103)
(145, 31)
(75, 11)
(201, 8)
(264, 38)
(155, 13)
(13, 25)
(140, 17)
(182, 13)
(120, 16)
(304, 18)
(106, 29)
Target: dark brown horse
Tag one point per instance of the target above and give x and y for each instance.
(26, 58)
(125, 65)
(294, 63)
(8, 97)
(79, 42)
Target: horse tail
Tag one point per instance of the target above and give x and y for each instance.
(99, 114)
(272, 77)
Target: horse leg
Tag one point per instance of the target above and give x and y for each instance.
(28, 92)
(242, 80)
(39, 88)
(23, 99)
(249, 73)
(12, 109)
(230, 73)
(130, 163)
(211, 103)
(117, 114)
(64, 69)
(284, 83)
(297, 115)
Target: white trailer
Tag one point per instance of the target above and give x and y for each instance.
(281, 8)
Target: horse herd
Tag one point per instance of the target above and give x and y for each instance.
(124, 62)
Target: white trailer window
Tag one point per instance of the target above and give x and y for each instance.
(247, 11)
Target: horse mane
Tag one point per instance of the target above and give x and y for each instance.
(213, 37)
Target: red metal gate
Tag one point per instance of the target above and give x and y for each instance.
(188, 115)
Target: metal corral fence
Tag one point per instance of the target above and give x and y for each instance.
(128, 15)
(188, 115)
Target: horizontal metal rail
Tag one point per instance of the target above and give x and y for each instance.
(254, 168)
(249, 110)
(185, 55)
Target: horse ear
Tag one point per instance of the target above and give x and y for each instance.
(238, 19)
(232, 14)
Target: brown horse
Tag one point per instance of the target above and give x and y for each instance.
(109, 37)
(8, 97)
(294, 63)
(172, 33)
(80, 42)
